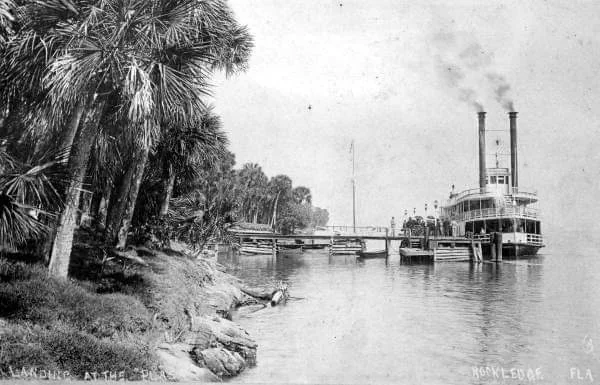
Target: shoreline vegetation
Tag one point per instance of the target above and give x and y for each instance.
(111, 157)
(147, 315)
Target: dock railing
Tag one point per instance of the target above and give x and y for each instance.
(482, 237)
(535, 239)
(364, 230)
(532, 239)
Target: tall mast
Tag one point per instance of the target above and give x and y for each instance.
(353, 190)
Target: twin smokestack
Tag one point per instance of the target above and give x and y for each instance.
(512, 116)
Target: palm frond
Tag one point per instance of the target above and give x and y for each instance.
(7, 162)
(18, 223)
(37, 185)
(6, 19)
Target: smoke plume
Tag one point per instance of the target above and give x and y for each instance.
(501, 87)
(467, 68)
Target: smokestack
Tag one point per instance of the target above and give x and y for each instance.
(512, 116)
(481, 116)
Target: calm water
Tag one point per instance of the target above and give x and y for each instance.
(378, 322)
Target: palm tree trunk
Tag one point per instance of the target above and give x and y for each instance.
(3, 114)
(164, 208)
(137, 167)
(85, 208)
(117, 205)
(275, 210)
(67, 136)
(3, 144)
(60, 256)
(103, 206)
(66, 141)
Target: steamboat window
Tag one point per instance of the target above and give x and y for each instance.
(492, 226)
(493, 180)
(469, 227)
(477, 226)
(520, 224)
(501, 179)
(507, 226)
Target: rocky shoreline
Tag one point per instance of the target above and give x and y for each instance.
(213, 347)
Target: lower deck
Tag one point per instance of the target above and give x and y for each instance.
(467, 249)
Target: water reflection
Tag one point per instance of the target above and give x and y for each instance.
(382, 321)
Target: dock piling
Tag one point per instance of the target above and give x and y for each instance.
(387, 243)
(498, 245)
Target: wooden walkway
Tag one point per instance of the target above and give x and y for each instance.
(383, 237)
(436, 248)
(251, 235)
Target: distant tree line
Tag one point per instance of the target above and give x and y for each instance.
(275, 201)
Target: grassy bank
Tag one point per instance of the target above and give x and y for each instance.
(110, 317)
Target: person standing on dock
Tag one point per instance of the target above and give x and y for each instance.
(393, 226)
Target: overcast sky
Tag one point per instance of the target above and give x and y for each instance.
(402, 79)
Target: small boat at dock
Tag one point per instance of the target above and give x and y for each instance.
(372, 254)
(254, 247)
(290, 245)
(254, 250)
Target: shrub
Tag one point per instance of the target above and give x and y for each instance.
(62, 348)
(47, 300)
(69, 325)
(81, 352)
(18, 270)
(174, 285)
(20, 346)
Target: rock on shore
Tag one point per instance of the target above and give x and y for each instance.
(177, 363)
(211, 346)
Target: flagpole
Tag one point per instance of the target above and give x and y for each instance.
(353, 192)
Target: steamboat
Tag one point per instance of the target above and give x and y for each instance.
(498, 205)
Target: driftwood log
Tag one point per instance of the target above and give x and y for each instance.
(264, 295)
(275, 297)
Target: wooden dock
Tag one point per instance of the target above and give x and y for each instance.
(415, 255)
(414, 248)
(445, 249)
(345, 246)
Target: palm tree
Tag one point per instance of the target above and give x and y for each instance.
(252, 185)
(154, 56)
(217, 43)
(28, 196)
(195, 220)
(301, 195)
(184, 149)
(280, 188)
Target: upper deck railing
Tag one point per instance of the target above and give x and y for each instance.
(490, 192)
(499, 212)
